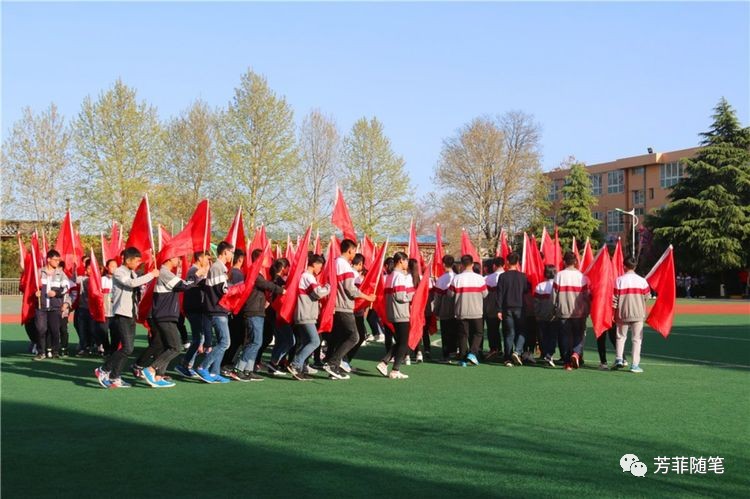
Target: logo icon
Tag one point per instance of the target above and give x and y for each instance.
(631, 463)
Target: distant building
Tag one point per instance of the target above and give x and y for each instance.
(9, 228)
(640, 182)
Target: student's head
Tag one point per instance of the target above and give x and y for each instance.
(550, 271)
(111, 266)
(467, 262)
(400, 261)
(448, 262)
(497, 263)
(486, 266)
(348, 249)
(87, 266)
(476, 268)
(202, 258)
(388, 265)
(456, 267)
(239, 258)
(225, 252)
(513, 259)
(414, 270)
(255, 254)
(280, 268)
(358, 262)
(173, 262)
(315, 263)
(569, 259)
(53, 258)
(132, 257)
(629, 263)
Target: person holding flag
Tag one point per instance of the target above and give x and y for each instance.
(200, 323)
(399, 291)
(53, 287)
(570, 293)
(468, 292)
(490, 307)
(544, 311)
(629, 302)
(445, 310)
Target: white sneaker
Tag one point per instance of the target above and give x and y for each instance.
(382, 368)
(407, 361)
(397, 375)
(345, 366)
(309, 369)
(186, 345)
(420, 358)
(603, 366)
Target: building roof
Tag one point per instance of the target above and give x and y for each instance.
(633, 161)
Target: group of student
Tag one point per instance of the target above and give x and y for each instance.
(225, 346)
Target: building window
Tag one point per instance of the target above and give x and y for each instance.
(598, 216)
(638, 170)
(552, 191)
(615, 221)
(638, 197)
(596, 185)
(639, 212)
(671, 174)
(651, 193)
(615, 182)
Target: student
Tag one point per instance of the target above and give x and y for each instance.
(50, 297)
(200, 323)
(111, 343)
(423, 347)
(216, 287)
(358, 264)
(512, 285)
(399, 291)
(631, 292)
(544, 311)
(344, 325)
(570, 293)
(445, 310)
(236, 324)
(125, 295)
(490, 308)
(468, 292)
(273, 328)
(86, 325)
(165, 312)
(306, 315)
(254, 315)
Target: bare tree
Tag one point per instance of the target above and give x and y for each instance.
(36, 161)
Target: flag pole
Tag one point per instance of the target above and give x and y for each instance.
(150, 231)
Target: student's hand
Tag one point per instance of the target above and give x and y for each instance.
(283, 292)
(202, 272)
(154, 273)
(500, 315)
(207, 350)
(51, 293)
(370, 298)
(200, 349)
(38, 294)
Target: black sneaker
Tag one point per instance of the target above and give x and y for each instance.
(40, 356)
(251, 376)
(238, 376)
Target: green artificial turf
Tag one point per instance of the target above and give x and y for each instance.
(445, 432)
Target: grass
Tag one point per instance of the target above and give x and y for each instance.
(474, 432)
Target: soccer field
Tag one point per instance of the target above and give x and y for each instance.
(447, 431)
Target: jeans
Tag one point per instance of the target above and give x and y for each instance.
(572, 334)
(284, 342)
(513, 330)
(254, 340)
(200, 328)
(493, 333)
(125, 330)
(309, 341)
(212, 362)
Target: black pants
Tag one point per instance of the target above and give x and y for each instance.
(48, 322)
(114, 338)
(100, 335)
(470, 336)
(169, 334)
(64, 335)
(388, 337)
(493, 333)
(532, 334)
(359, 320)
(154, 349)
(125, 330)
(237, 333)
(183, 329)
(400, 348)
(601, 343)
(30, 329)
(449, 336)
(424, 345)
(345, 330)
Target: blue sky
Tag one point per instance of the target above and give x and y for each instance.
(605, 80)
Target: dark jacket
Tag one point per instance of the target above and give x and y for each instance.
(255, 306)
(511, 288)
(166, 302)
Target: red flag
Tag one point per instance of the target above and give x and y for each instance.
(368, 251)
(42, 254)
(141, 235)
(602, 289)
(112, 248)
(418, 304)
(340, 217)
(147, 301)
(467, 247)
(237, 295)
(286, 303)
(532, 264)
(164, 236)
(279, 253)
(618, 260)
(289, 251)
(558, 252)
(379, 304)
(547, 247)
(236, 235)
(574, 249)
(588, 256)
(193, 238)
(30, 283)
(370, 283)
(414, 247)
(503, 250)
(662, 281)
(316, 247)
(437, 259)
(328, 276)
(68, 245)
(96, 296)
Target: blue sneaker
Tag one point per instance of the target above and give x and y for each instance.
(186, 371)
(220, 379)
(205, 375)
(462, 364)
(102, 376)
(163, 383)
(149, 377)
(473, 359)
(635, 368)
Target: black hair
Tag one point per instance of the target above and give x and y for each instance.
(358, 258)
(466, 260)
(312, 259)
(347, 244)
(630, 263)
(255, 254)
(238, 253)
(476, 268)
(414, 271)
(498, 261)
(131, 252)
(279, 265)
(53, 254)
(199, 254)
(550, 271)
(513, 259)
(388, 264)
(86, 262)
(399, 256)
(569, 258)
(448, 260)
(222, 247)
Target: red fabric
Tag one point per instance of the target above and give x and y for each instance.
(193, 238)
(662, 281)
(164, 236)
(503, 250)
(467, 247)
(286, 303)
(414, 247)
(588, 256)
(140, 234)
(328, 276)
(602, 288)
(21, 253)
(379, 305)
(69, 246)
(418, 304)
(30, 285)
(147, 301)
(112, 248)
(547, 247)
(96, 296)
(369, 284)
(618, 266)
(289, 252)
(237, 295)
(340, 217)
(369, 252)
(236, 236)
(532, 264)
(558, 262)
(437, 259)
(279, 253)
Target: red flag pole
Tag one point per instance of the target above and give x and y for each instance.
(34, 258)
(205, 231)
(150, 231)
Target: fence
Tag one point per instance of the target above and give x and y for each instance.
(9, 286)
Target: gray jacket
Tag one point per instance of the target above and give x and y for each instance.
(308, 296)
(124, 283)
(399, 291)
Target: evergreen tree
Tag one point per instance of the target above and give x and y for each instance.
(708, 217)
(575, 216)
